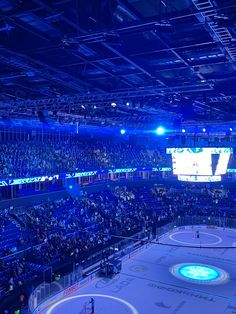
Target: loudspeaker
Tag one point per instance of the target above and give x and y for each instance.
(187, 109)
(43, 115)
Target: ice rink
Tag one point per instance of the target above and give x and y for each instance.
(166, 279)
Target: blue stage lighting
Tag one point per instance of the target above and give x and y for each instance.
(160, 130)
(230, 129)
(183, 131)
(122, 131)
(204, 130)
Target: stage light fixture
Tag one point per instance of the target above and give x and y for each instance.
(203, 130)
(230, 129)
(183, 130)
(160, 130)
(113, 104)
(122, 131)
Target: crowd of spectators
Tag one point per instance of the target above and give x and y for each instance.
(66, 230)
(69, 229)
(85, 225)
(32, 158)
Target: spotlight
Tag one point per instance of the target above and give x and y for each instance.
(203, 130)
(94, 107)
(127, 103)
(230, 129)
(183, 131)
(122, 131)
(160, 130)
(83, 107)
(113, 104)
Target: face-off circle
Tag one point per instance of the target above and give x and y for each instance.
(204, 237)
(128, 306)
(199, 273)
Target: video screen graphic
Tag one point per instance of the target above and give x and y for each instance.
(205, 164)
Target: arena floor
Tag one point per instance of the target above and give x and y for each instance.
(155, 280)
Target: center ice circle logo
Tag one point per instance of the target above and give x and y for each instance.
(199, 273)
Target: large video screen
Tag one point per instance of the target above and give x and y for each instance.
(204, 164)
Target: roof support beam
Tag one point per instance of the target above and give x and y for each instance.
(165, 44)
(38, 67)
(114, 50)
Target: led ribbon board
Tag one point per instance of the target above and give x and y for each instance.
(70, 175)
(199, 178)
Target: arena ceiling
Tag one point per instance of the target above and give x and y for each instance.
(154, 60)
